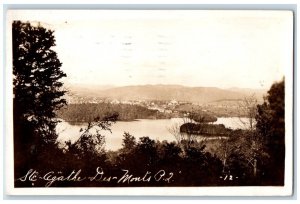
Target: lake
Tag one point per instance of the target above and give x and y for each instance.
(154, 129)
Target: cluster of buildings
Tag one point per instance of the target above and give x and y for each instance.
(161, 106)
(222, 108)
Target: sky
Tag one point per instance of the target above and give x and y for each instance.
(248, 49)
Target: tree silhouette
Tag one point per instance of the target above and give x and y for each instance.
(129, 142)
(37, 89)
(248, 108)
(271, 125)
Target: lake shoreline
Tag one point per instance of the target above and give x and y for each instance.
(156, 129)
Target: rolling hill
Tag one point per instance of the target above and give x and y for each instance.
(166, 92)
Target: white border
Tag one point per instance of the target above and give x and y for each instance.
(161, 191)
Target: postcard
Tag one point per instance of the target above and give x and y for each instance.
(149, 102)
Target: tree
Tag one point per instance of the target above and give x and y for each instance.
(129, 142)
(243, 151)
(223, 149)
(249, 145)
(146, 152)
(271, 126)
(90, 147)
(37, 88)
(127, 154)
(248, 109)
(250, 149)
(174, 129)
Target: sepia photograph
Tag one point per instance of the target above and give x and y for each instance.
(125, 101)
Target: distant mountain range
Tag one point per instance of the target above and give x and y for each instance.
(165, 92)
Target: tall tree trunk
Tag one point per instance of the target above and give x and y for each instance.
(255, 168)
(224, 165)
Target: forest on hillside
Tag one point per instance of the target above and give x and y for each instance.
(86, 112)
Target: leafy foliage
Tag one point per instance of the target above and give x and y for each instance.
(129, 142)
(271, 126)
(37, 90)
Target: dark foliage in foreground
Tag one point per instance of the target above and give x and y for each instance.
(142, 163)
(145, 158)
(37, 92)
(245, 158)
(271, 125)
